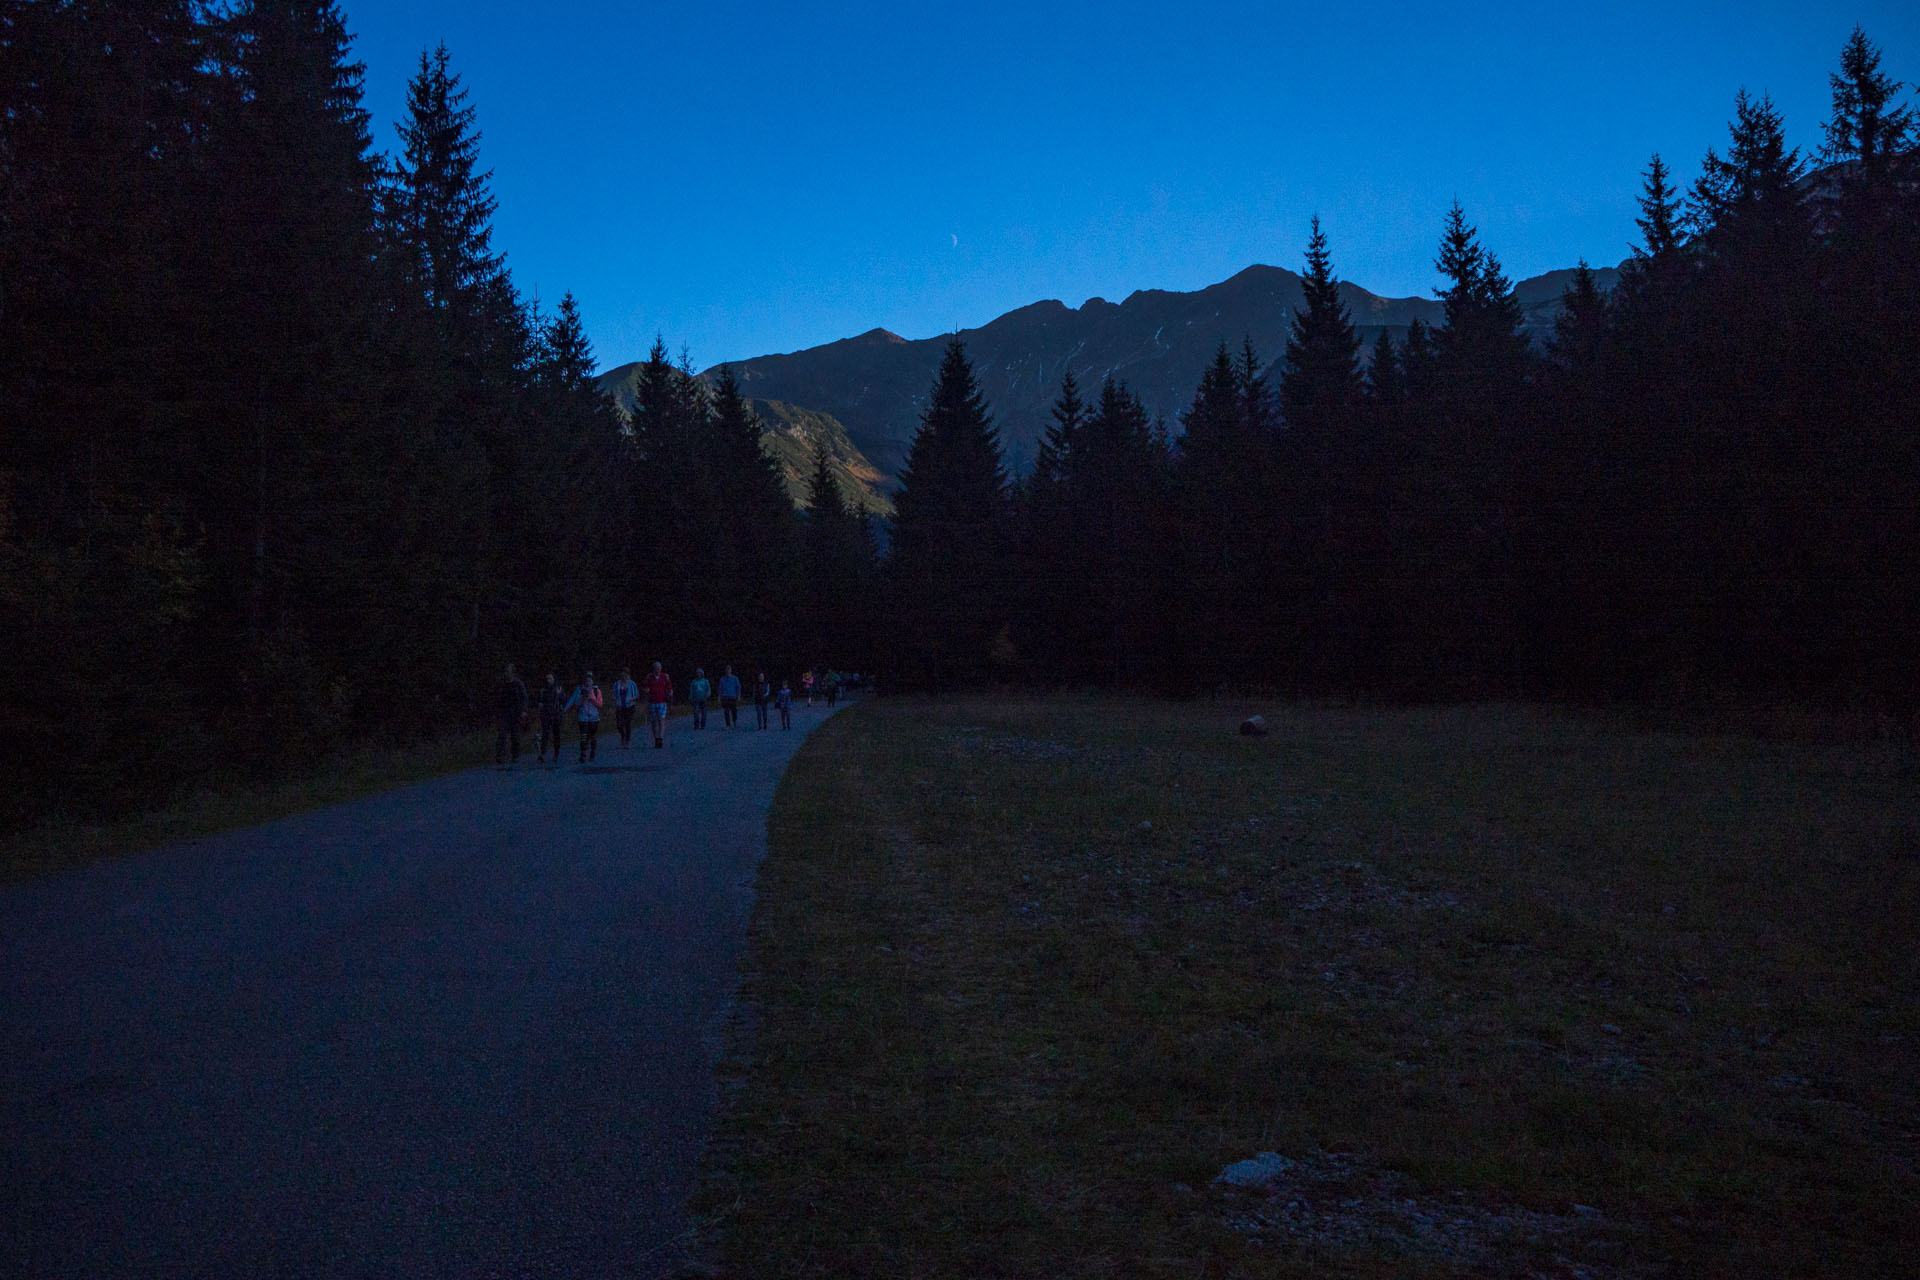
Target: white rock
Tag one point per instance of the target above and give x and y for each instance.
(1263, 1170)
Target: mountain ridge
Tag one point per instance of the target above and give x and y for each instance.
(874, 384)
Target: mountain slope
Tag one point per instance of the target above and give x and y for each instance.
(1156, 341)
(792, 433)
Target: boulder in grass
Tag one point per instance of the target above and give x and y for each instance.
(1253, 727)
(1262, 1171)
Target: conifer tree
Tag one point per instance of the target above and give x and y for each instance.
(1320, 387)
(1226, 512)
(834, 567)
(569, 569)
(1107, 573)
(1480, 351)
(1660, 213)
(1580, 330)
(1869, 129)
(948, 567)
(291, 133)
(1386, 378)
(439, 209)
(1650, 281)
(1068, 412)
(750, 571)
(1745, 205)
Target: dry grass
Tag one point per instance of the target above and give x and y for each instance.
(1514, 992)
(230, 801)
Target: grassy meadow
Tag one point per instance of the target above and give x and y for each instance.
(1504, 991)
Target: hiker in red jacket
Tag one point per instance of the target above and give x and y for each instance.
(659, 690)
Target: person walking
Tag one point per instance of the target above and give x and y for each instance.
(729, 699)
(806, 682)
(831, 682)
(626, 696)
(659, 700)
(589, 699)
(784, 701)
(510, 704)
(762, 695)
(698, 692)
(551, 702)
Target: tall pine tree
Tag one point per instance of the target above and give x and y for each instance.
(948, 578)
(1320, 382)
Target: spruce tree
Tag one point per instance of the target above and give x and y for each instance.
(312, 411)
(1320, 387)
(833, 567)
(1386, 378)
(1660, 213)
(439, 208)
(1870, 129)
(1068, 412)
(1226, 504)
(569, 569)
(948, 571)
(1580, 330)
(1745, 204)
(1481, 351)
(751, 570)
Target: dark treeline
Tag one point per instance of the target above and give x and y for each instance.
(287, 461)
(1706, 487)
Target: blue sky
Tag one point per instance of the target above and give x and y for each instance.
(745, 178)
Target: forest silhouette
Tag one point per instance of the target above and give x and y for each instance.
(289, 462)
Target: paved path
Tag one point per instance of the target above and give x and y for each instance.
(464, 1028)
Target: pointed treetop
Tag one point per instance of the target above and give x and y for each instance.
(1660, 212)
(1759, 169)
(1069, 412)
(824, 495)
(1320, 378)
(446, 210)
(1866, 125)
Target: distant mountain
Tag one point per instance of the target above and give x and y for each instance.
(792, 433)
(1157, 341)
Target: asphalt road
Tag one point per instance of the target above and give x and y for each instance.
(463, 1028)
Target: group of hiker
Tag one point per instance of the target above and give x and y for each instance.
(515, 707)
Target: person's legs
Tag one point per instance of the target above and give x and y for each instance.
(786, 717)
(760, 713)
(550, 736)
(500, 744)
(657, 721)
